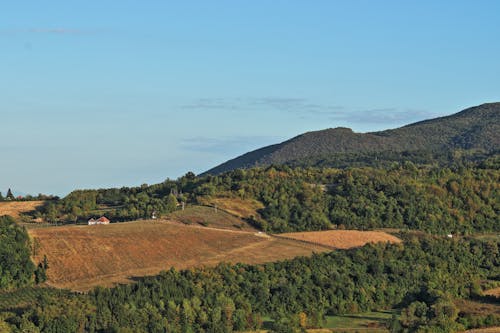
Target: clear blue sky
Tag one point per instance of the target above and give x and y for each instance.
(118, 93)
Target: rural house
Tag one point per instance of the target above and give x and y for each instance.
(101, 220)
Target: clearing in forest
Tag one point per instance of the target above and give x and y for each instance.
(209, 217)
(243, 208)
(81, 257)
(342, 239)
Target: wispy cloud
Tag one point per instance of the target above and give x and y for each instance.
(306, 109)
(225, 145)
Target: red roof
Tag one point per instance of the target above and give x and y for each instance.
(103, 219)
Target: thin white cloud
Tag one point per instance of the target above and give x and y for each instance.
(306, 109)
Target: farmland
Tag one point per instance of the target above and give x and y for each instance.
(81, 257)
(342, 239)
(15, 208)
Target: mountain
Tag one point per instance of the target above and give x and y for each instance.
(470, 134)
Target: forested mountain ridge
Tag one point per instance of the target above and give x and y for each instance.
(469, 134)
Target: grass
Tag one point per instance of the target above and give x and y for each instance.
(369, 321)
(81, 257)
(490, 236)
(209, 217)
(342, 239)
(243, 208)
(372, 322)
(16, 208)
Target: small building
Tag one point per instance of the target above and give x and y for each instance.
(449, 236)
(101, 220)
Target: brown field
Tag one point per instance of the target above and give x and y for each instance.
(493, 292)
(236, 206)
(14, 208)
(81, 257)
(342, 239)
(477, 308)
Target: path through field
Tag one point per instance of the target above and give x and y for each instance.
(81, 257)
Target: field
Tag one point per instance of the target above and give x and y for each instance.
(369, 322)
(484, 330)
(342, 239)
(236, 206)
(81, 257)
(14, 208)
(493, 292)
(209, 217)
(477, 308)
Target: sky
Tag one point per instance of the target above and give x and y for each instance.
(97, 94)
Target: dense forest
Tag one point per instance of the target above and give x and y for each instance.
(420, 278)
(462, 200)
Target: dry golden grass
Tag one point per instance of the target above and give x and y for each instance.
(342, 239)
(81, 257)
(493, 292)
(484, 330)
(14, 208)
(236, 206)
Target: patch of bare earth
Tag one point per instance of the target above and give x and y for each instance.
(81, 257)
(342, 239)
(14, 208)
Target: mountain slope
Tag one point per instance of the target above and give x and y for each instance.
(475, 130)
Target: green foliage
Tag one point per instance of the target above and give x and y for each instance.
(420, 275)
(16, 268)
(41, 271)
(438, 200)
(459, 200)
(470, 135)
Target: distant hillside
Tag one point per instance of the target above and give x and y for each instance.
(470, 134)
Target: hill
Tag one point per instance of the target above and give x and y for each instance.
(81, 257)
(469, 134)
(84, 256)
(15, 208)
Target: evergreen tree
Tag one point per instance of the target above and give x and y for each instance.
(10, 196)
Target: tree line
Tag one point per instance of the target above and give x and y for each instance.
(460, 200)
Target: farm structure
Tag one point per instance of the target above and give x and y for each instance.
(101, 220)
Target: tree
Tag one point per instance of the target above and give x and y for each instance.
(1, 197)
(10, 196)
(171, 203)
